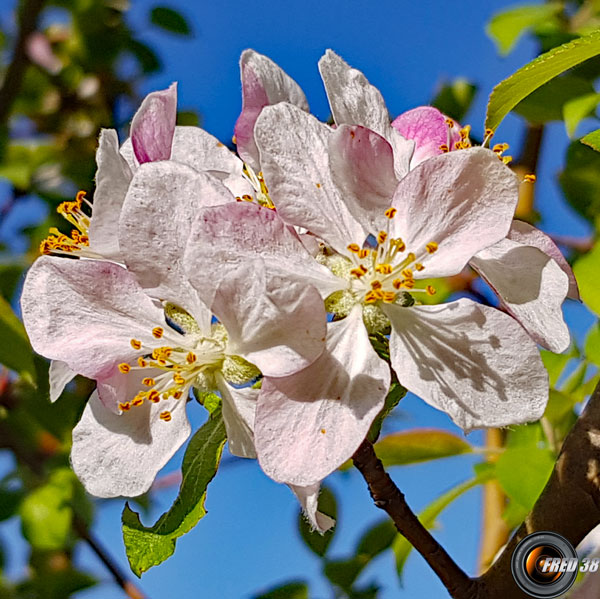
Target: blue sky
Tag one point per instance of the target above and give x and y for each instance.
(248, 541)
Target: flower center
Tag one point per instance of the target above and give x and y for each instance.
(260, 188)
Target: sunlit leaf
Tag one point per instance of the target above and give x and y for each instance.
(586, 269)
(592, 345)
(556, 363)
(507, 27)
(15, 351)
(148, 546)
(576, 110)
(592, 139)
(507, 94)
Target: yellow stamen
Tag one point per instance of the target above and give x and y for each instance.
(530, 178)
(124, 407)
(149, 382)
(363, 253)
(178, 379)
(124, 368)
(157, 332)
(381, 237)
(419, 267)
(191, 358)
(138, 400)
(391, 212)
(376, 284)
(389, 297)
(430, 290)
(431, 247)
(444, 148)
(141, 362)
(354, 248)
(154, 396)
(407, 273)
(166, 416)
(450, 123)
(136, 344)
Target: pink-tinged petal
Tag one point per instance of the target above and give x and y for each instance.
(275, 323)
(263, 84)
(531, 285)
(227, 236)
(295, 162)
(153, 126)
(239, 408)
(59, 376)
(120, 454)
(310, 423)
(119, 388)
(112, 181)
(473, 362)
(362, 166)
(429, 129)
(354, 101)
(528, 235)
(85, 313)
(155, 225)
(309, 498)
(464, 201)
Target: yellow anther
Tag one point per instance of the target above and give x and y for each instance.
(384, 269)
(157, 332)
(136, 344)
(318, 185)
(506, 159)
(323, 431)
(148, 381)
(138, 400)
(430, 290)
(178, 379)
(450, 123)
(397, 283)
(124, 367)
(177, 394)
(389, 297)
(191, 357)
(431, 247)
(408, 283)
(124, 407)
(419, 267)
(354, 248)
(154, 396)
(444, 148)
(400, 244)
(363, 253)
(359, 271)
(234, 140)
(166, 416)
(407, 273)
(391, 212)
(489, 133)
(464, 132)
(530, 178)
(499, 148)
(376, 284)
(381, 237)
(141, 362)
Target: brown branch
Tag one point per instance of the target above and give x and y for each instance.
(388, 497)
(11, 86)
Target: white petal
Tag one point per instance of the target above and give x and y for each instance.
(59, 375)
(277, 324)
(531, 285)
(237, 233)
(464, 201)
(309, 498)
(85, 312)
(528, 235)
(310, 423)
(112, 181)
(156, 220)
(122, 388)
(263, 84)
(471, 361)
(362, 166)
(116, 455)
(239, 407)
(295, 161)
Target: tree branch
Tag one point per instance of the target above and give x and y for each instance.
(27, 18)
(388, 497)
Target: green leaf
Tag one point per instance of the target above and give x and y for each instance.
(577, 109)
(419, 445)
(169, 20)
(507, 27)
(523, 472)
(507, 94)
(592, 140)
(455, 98)
(556, 363)
(15, 351)
(148, 546)
(592, 345)
(586, 269)
(290, 590)
(579, 180)
(548, 102)
(429, 515)
(47, 513)
(377, 539)
(396, 393)
(343, 573)
(317, 542)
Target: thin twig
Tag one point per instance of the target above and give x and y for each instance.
(388, 497)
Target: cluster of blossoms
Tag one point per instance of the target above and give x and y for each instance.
(198, 270)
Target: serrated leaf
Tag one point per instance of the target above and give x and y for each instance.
(419, 445)
(169, 20)
(148, 546)
(507, 94)
(317, 542)
(507, 27)
(577, 109)
(47, 513)
(290, 590)
(430, 514)
(592, 140)
(592, 345)
(15, 351)
(586, 269)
